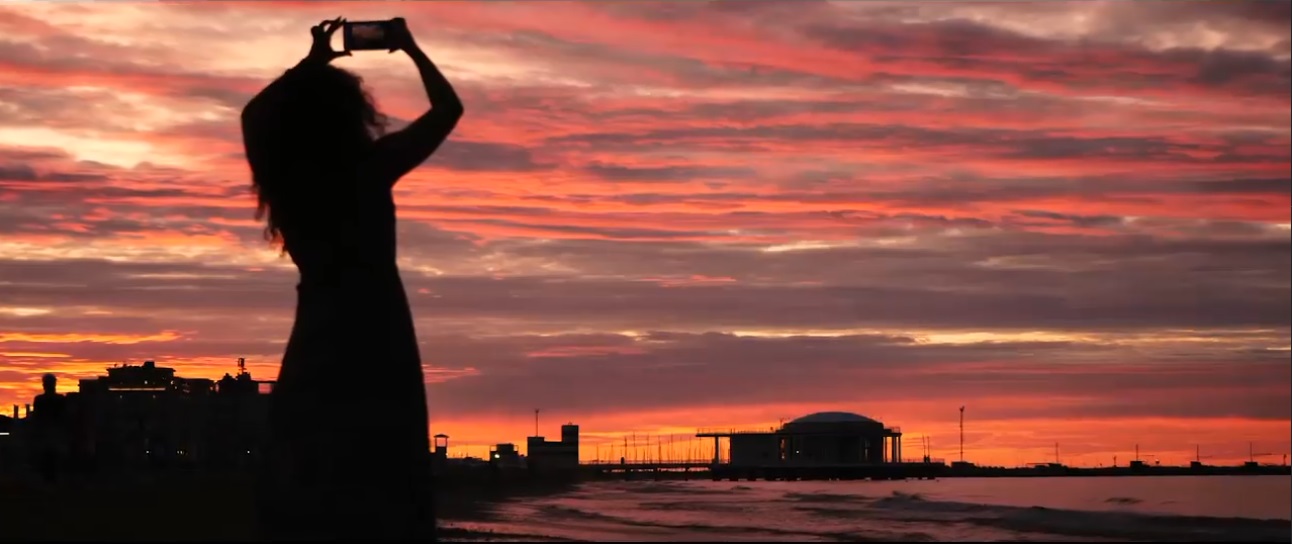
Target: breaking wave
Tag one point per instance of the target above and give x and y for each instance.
(873, 512)
(912, 507)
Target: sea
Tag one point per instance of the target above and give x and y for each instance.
(1071, 509)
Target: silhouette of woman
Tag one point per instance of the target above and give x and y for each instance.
(348, 455)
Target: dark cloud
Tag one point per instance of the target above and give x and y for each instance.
(835, 192)
(966, 142)
(1000, 282)
(26, 173)
(230, 98)
(96, 206)
(1275, 13)
(227, 130)
(579, 374)
(1069, 147)
(956, 38)
(584, 373)
(992, 52)
(615, 172)
(62, 60)
(619, 233)
(616, 68)
(458, 154)
(26, 154)
(1251, 71)
(20, 172)
(1276, 186)
(1079, 220)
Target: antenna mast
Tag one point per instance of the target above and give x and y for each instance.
(962, 434)
(536, 422)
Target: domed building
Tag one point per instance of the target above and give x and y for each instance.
(819, 439)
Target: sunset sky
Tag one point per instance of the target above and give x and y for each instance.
(1071, 218)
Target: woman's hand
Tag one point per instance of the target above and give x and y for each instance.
(400, 37)
(321, 50)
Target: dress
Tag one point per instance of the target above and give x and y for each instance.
(349, 454)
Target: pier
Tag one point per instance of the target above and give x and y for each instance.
(725, 471)
(686, 467)
(935, 469)
(900, 471)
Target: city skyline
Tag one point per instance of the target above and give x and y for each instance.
(672, 447)
(1070, 217)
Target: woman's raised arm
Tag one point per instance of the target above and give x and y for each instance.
(400, 152)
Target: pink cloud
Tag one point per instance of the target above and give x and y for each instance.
(646, 199)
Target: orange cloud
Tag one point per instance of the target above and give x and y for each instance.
(164, 336)
(657, 217)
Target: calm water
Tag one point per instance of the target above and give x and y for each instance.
(1119, 509)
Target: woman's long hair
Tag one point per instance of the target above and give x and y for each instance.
(304, 144)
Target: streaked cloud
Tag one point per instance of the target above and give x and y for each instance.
(660, 216)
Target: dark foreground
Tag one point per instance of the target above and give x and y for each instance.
(195, 507)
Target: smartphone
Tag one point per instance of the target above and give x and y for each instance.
(366, 35)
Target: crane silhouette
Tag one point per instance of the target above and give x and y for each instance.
(1252, 455)
(1198, 456)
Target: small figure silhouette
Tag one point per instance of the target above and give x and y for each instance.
(349, 455)
(49, 417)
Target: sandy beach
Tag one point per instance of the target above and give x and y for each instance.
(200, 507)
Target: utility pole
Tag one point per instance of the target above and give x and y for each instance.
(536, 422)
(962, 434)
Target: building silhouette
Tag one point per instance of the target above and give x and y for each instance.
(506, 457)
(10, 447)
(439, 453)
(554, 456)
(144, 416)
(820, 439)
